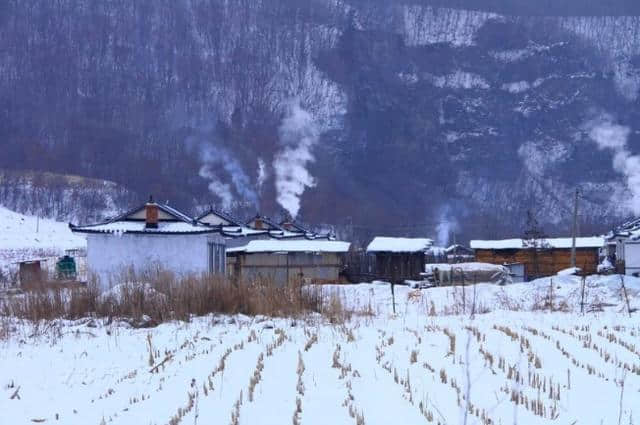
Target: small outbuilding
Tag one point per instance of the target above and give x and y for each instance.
(288, 261)
(399, 259)
(540, 258)
(149, 237)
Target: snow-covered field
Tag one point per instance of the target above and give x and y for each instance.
(424, 364)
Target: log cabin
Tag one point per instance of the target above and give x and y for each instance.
(544, 257)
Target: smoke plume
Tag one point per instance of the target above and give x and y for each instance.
(218, 161)
(263, 174)
(447, 224)
(611, 136)
(226, 176)
(298, 135)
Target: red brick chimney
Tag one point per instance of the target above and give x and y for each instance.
(151, 214)
(258, 223)
(287, 225)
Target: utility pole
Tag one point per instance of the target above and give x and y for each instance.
(574, 230)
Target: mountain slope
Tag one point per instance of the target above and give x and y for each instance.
(413, 113)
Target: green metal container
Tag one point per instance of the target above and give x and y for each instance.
(66, 268)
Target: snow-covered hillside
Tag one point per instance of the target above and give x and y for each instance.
(24, 237)
(418, 366)
(18, 231)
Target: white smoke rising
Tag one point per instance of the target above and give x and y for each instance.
(263, 174)
(612, 136)
(447, 224)
(221, 190)
(298, 134)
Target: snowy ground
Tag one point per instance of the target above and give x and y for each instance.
(420, 365)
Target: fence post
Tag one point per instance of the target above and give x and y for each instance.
(584, 280)
(464, 294)
(626, 296)
(551, 294)
(393, 296)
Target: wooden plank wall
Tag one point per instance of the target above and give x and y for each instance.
(550, 261)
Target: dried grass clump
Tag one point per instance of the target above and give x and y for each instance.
(165, 297)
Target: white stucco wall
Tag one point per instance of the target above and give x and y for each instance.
(108, 255)
(632, 257)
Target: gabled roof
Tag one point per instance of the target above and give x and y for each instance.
(630, 229)
(387, 244)
(271, 225)
(224, 216)
(557, 243)
(457, 248)
(296, 227)
(173, 222)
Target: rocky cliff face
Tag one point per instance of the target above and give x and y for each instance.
(409, 113)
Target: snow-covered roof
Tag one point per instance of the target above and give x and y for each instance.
(630, 229)
(257, 246)
(172, 222)
(387, 244)
(240, 231)
(458, 248)
(140, 227)
(560, 243)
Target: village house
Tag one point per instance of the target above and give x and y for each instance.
(149, 237)
(288, 261)
(623, 248)
(399, 259)
(545, 257)
(261, 249)
(233, 230)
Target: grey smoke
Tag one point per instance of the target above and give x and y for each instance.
(611, 136)
(227, 178)
(216, 159)
(298, 134)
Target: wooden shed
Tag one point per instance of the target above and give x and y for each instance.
(288, 261)
(399, 259)
(541, 258)
(31, 272)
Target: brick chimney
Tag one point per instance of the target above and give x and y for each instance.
(258, 223)
(151, 214)
(287, 225)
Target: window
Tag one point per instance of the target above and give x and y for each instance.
(217, 258)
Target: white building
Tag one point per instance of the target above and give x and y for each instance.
(623, 246)
(150, 237)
